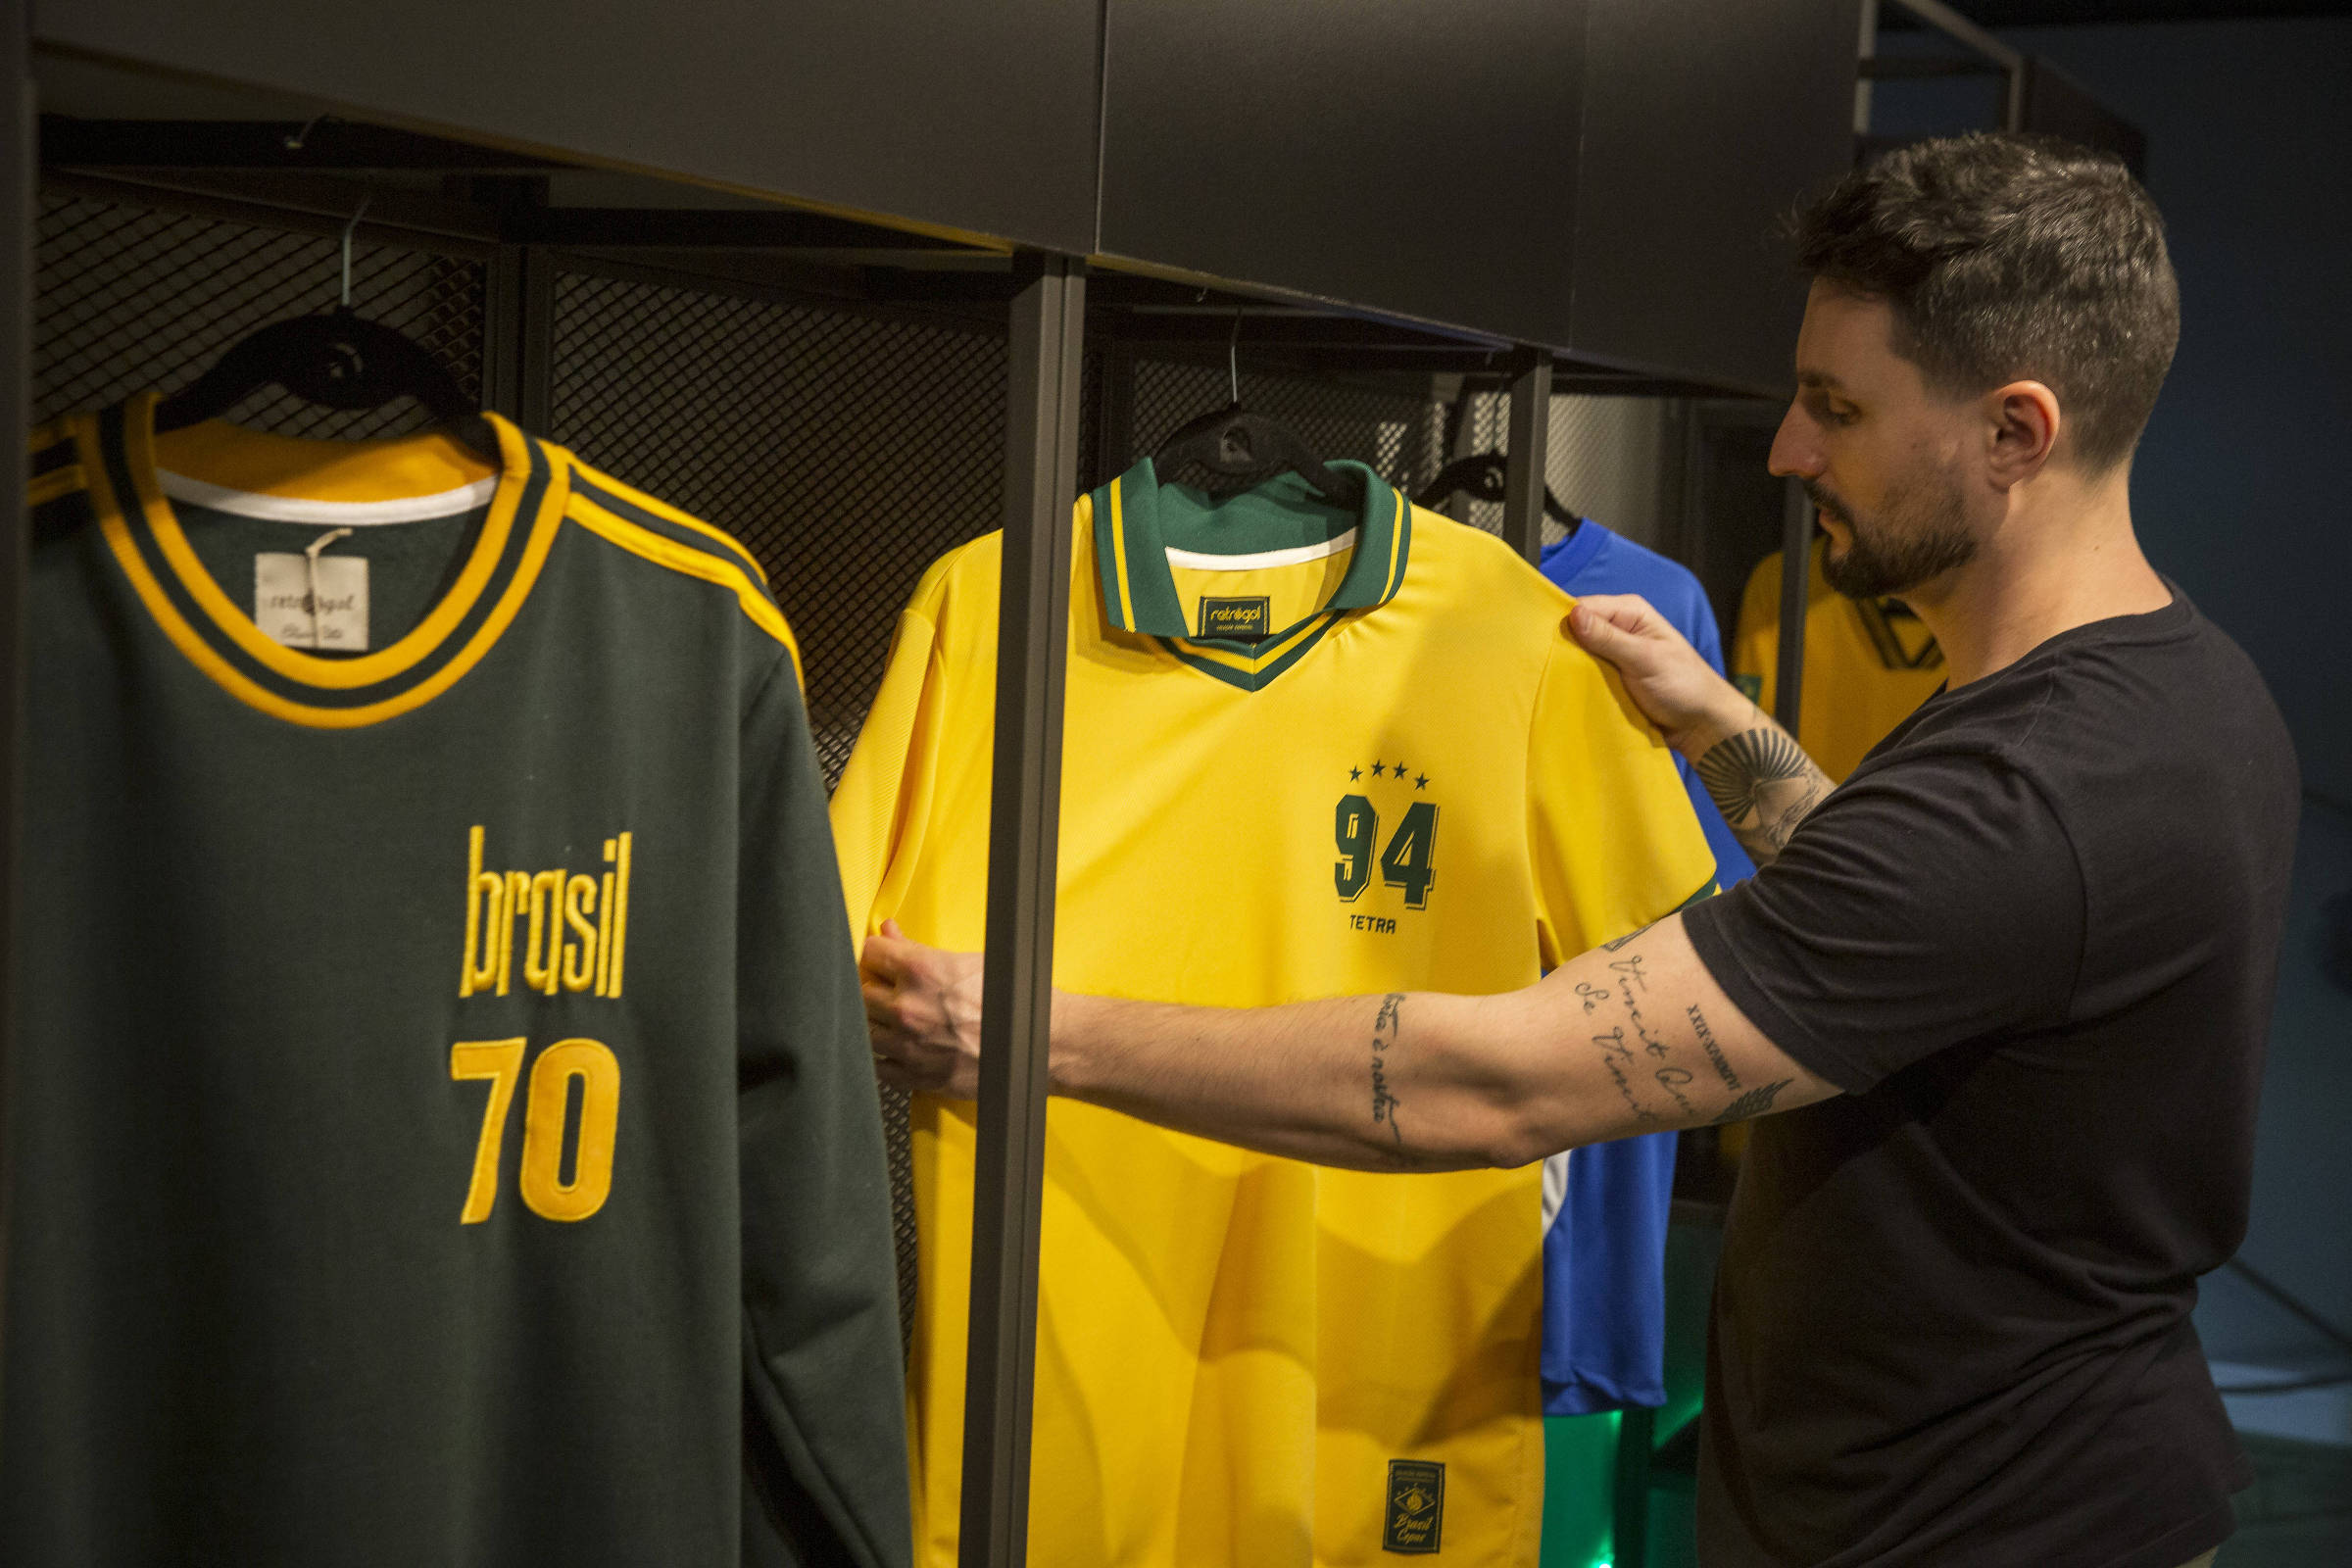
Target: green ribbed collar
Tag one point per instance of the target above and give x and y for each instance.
(1139, 592)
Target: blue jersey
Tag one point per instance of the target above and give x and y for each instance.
(1605, 1206)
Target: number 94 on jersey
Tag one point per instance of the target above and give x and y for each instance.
(1402, 849)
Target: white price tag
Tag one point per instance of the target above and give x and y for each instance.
(281, 600)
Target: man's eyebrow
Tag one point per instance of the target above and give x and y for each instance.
(1820, 378)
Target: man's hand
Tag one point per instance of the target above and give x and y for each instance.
(1758, 775)
(1693, 706)
(1634, 1037)
(922, 1012)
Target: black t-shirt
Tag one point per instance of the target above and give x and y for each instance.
(2033, 938)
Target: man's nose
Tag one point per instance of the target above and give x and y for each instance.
(1795, 454)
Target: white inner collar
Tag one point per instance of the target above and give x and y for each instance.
(1193, 561)
(343, 513)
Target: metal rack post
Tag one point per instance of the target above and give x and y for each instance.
(519, 328)
(1048, 316)
(1115, 414)
(1629, 1535)
(2010, 63)
(19, 179)
(1525, 462)
(1796, 578)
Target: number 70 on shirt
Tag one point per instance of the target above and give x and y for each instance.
(546, 1124)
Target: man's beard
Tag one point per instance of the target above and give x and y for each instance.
(1922, 532)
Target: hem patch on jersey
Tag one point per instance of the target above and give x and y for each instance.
(1415, 1520)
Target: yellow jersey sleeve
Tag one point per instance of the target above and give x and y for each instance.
(1611, 835)
(1754, 662)
(882, 806)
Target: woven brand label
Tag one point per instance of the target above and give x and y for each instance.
(1235, 618)
(1416, 1510)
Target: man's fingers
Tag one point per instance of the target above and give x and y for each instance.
(888, 955)
(1629, 614)
(1599, 634)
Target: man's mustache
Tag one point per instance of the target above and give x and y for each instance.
(1825, 502)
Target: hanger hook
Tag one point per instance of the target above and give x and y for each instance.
(348, 230)
(1232, 358)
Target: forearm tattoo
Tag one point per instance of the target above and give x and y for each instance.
(1764, 784)
(1387, 1026)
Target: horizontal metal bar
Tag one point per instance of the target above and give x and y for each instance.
(696, 228)
(263, 144)
(1337, 331)
(308, 204)
(1952, 24)
(1892, 67)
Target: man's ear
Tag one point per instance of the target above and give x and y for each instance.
(2021, 424)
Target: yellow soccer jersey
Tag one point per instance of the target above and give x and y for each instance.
(1868, 664)
(1385, 765)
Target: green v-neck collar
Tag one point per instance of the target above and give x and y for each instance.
(1139, 591)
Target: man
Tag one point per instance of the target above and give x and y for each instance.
(2005, 989)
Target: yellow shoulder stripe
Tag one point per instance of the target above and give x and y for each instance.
(57, 482)
(45, 436)
(669, 513)
(749, 592)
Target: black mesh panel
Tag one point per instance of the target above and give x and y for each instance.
(131, 298)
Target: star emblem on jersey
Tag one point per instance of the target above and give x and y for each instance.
(1377, 769)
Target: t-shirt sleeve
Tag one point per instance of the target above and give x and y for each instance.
(882, 803)
(824, 1385)
(1757, 638)
(1931, 901)
(1611, 834)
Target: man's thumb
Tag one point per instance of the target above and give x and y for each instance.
(1597, 633)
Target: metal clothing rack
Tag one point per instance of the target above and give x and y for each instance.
(1096, 346)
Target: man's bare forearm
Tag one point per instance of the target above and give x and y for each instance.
(1759, 778)
(1318, 1080)
(1629, 1038)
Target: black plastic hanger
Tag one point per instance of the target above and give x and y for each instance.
(1483, 477)
(1248, 448)
(336, 358)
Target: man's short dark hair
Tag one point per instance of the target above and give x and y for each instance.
(2008, 257)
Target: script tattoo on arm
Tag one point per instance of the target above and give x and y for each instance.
(1386, 1028)
(1764, 784)
(1619, 944)
(1660, 1075)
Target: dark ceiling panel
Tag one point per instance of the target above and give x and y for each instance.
(1409, 156)
(1706, 121)
(978, 117)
